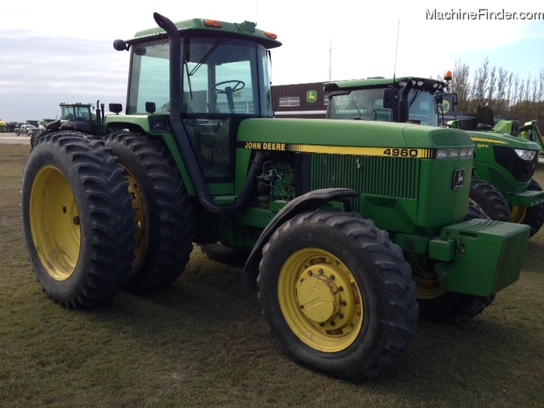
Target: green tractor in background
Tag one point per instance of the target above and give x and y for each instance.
(528, 131)
(76, 117)
(502, 182)
(527, 207)
(353, 229)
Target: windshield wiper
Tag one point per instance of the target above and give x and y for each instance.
(186, 65)
(416, 94)
(205, 57)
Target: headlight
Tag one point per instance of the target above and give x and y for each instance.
(527, 155)
(454, 153)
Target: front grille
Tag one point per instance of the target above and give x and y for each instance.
(520, 169)
(381, 176)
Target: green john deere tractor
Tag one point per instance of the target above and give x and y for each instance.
(351, 227)
(504, 165)
(528, 131)
(76, 117)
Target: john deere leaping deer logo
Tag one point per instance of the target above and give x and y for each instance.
(311, 96)
(458, 179)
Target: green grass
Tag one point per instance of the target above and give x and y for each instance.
(204, 343)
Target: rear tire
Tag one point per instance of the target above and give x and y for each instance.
(77, 220)
(164, 212)
(35, 138)
(337, 294)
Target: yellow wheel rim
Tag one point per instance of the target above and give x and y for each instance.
(428, 289)
(320, 300)
(55, 223)
(518, 214)
(140, 217)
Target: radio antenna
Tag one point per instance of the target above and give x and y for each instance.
(330, 58)
(396, 51)
(256, 11)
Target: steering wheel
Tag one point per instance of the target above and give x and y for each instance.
(238, 85)
(229, 91)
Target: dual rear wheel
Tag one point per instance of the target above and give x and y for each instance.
(164, 214)
(77, 220)
(100, 216)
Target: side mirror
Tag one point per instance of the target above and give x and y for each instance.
(390, 97)
(446, 103)
(116, 108)
(150, 107)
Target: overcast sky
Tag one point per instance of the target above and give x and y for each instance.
(59, 51)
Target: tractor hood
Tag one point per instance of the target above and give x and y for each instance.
(487, 139)
(347, 133)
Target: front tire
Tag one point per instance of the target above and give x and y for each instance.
(490, 200)
(227, 256)
(337, 295)
(77, 220)
(164, 213)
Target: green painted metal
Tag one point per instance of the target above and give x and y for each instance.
(531, 131)
(526, 198)
(198, 26)
(486, 163)
(348, 133)
(489, 256)
(138, 122)
(172, 146)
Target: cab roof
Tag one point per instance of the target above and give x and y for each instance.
(418, 82)
(246, 30)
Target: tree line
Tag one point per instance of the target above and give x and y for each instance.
(495, 90)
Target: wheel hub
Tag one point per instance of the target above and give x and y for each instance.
(55, 223)
(139, 209)
(320, 300)
(318, 296)
(518, 214)
(428, 287)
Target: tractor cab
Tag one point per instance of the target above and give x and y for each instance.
(77, 117)
(75, 111)
(222, 80)
(407, 99)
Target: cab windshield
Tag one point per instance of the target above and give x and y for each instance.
(220, 76)
(367, 104)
